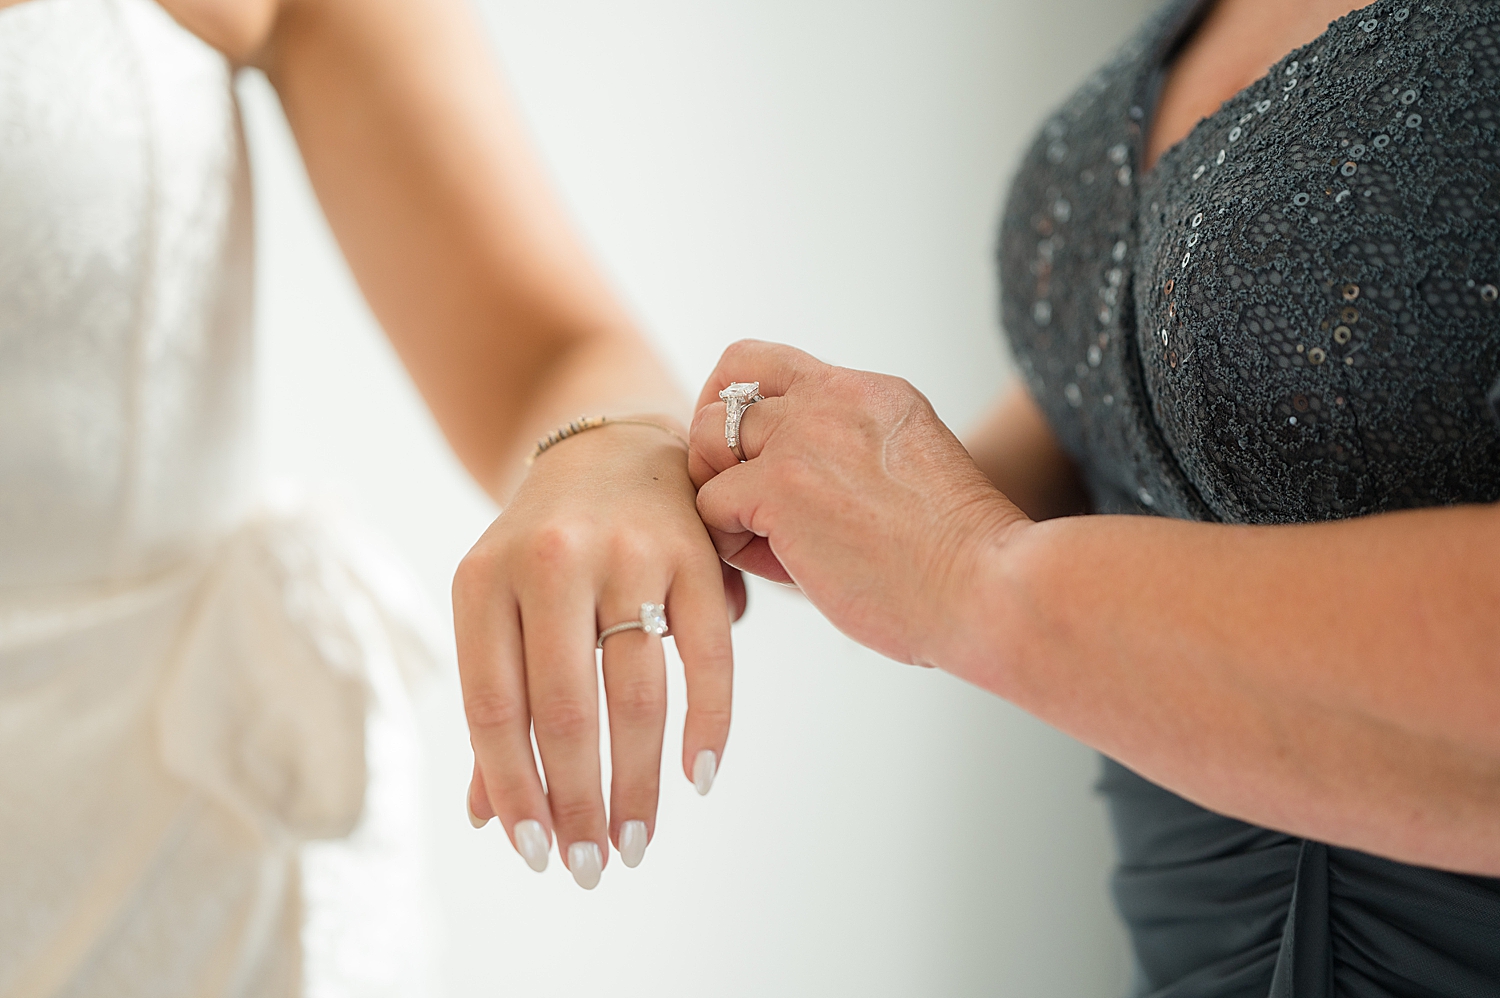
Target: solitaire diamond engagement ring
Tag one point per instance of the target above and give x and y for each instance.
(737, 398)
(653, 620)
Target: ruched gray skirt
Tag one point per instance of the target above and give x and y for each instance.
(1217, 908)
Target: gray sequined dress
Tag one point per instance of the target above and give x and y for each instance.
(1292, 317)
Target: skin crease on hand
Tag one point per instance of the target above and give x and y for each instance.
(508, 330)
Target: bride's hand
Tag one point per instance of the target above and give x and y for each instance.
(604, 522)
(855, 491)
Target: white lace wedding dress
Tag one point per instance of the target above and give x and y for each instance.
(206, 753)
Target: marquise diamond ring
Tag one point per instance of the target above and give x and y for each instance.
(737, 398)
(653, 620)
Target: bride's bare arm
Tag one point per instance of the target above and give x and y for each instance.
(509, 331)
(451, 227)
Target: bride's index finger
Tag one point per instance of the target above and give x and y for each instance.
(775, 365)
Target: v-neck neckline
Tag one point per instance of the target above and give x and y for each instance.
(1183, 25)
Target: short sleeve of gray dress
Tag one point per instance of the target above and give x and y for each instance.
(1293, 316)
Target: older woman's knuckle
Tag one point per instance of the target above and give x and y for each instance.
(739, 348)
(899, 384)
(564, 718)
(791, 473)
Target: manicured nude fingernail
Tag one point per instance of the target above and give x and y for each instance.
(586, 864)
(633, 843)
(473, 818)
(705, 764)
(531, 843)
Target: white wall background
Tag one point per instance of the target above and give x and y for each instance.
(826, 172)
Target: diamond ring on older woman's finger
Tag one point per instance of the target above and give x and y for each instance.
(737, 398)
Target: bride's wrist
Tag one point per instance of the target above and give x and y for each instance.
(660, 423)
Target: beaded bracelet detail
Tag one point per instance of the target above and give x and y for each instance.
(583, 423)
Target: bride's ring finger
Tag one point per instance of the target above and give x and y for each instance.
(635, 689)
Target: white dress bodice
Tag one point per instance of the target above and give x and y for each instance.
(125, 257)
(208, 779)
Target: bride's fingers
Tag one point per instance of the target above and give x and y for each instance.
(734, 590)
(635, 688)
(699, 615)
(557, 614)
(477, 800)
(491, 669)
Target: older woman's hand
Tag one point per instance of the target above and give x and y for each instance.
(852, 489)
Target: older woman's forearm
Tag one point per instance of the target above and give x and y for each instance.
(1337, 680)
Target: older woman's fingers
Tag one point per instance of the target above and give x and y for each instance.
(558, 627)
(757, 558)
(493, 676)
(729, 504)
(709, 452)
(699, 615)
(776, 366)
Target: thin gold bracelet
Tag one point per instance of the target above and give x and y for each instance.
(583, 423)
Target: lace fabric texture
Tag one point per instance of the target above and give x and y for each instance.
(210, 776)
(1296, 315)
(1293, 317)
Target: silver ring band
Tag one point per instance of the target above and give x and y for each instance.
(653, 620)
(737, 398)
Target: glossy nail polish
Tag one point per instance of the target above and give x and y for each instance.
(531, 843)
(705, 764)
(632, 843)
(586, 864)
